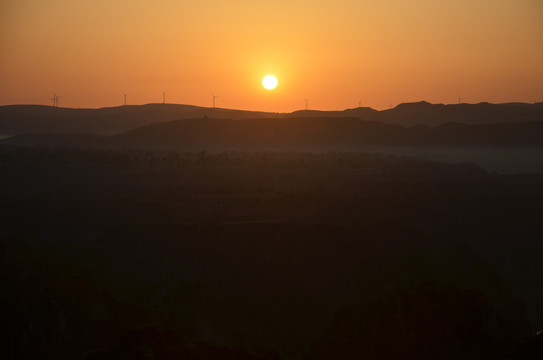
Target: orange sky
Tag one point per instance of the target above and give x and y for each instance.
(333, 52)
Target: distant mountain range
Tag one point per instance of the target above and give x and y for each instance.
(20, 119)
(307, 134)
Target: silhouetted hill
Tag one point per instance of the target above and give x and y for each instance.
(58, 140)
(295, 133)
(423, 112)
(323, 134)
(482, 113)
(18, 119)
(365, 113)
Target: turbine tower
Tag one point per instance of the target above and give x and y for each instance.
(306, 104)
(164, 98)
(214, 97)
(460, 99)
(55, 99)
(124, 99)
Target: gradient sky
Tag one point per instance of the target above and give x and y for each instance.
(335, 53)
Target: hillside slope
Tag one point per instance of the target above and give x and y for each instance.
(19, 119)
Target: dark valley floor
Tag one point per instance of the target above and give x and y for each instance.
(133, 254)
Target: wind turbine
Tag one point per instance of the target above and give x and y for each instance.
(55, 100)
(214, 97)
(306, 104)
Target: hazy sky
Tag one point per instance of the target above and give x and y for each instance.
(335, 52)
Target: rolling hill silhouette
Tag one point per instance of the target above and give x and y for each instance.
(307, 134)
(323, 133)
(19, 119)
(435, 114)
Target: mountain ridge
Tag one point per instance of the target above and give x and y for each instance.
(19, 119)
(296, 133)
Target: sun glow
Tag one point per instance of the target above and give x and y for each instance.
(269, 82)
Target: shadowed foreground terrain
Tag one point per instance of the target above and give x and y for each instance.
(136, 254)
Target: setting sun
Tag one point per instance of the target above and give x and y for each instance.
(269, 82)
(370, 53)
